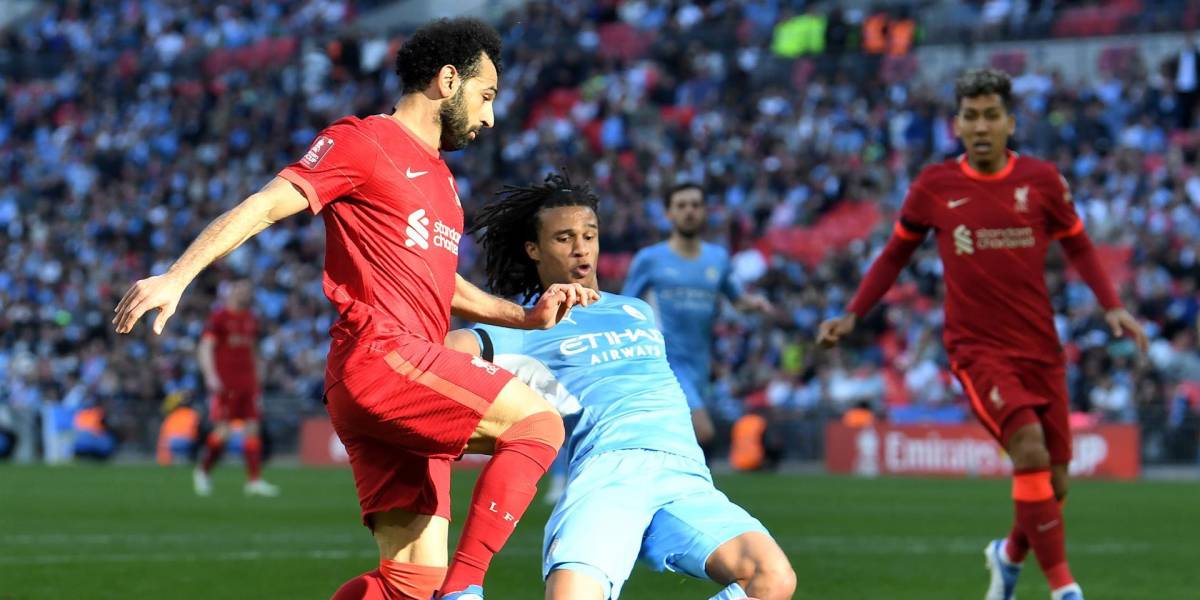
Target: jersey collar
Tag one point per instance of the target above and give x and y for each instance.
(969, 171)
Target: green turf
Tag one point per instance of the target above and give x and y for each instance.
(138, 532)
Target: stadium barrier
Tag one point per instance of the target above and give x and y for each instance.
(319, 445)
(1103, 451)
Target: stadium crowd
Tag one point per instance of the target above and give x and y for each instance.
(171, 112)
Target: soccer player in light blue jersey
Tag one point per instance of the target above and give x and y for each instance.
(637, 483)
(684, 278)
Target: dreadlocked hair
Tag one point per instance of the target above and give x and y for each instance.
(504, 225)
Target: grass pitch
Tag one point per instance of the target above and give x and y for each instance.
(138, 532)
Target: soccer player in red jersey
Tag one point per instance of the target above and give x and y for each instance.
(402, 403)
(230, 369)
(994, 214)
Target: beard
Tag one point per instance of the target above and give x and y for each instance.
(456, 126)
(689, 230)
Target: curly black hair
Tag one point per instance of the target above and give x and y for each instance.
(504, 225)
(981, 82)
(457, 42)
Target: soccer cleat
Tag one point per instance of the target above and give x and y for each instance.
(1067, 592)
(1003, 585)
(732, 591)
(473, 592)
(201, 482)
(259, 487)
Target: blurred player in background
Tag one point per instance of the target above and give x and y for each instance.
(230, 366)
(683, 278)
(638, 486)
(994, 215)
(402, 403)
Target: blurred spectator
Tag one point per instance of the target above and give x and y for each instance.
(167, 113)
(1184, 72)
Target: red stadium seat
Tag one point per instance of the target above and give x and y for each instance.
(614, 265)
(1116, 59)
(621, 40)
(1011, 62)
(847, 222)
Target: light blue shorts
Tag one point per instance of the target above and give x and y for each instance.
(624, 505)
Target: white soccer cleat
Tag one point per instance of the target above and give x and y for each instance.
(201, 483)
(1067, 592)
(259, 487)
(1003, 585)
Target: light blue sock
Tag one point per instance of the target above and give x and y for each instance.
(731, 592)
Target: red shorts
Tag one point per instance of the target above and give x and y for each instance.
(233, 404)
(1008, 393)
(403, 415)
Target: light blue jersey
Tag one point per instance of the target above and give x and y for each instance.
(684, 292)
(620, 393)
(637, 484)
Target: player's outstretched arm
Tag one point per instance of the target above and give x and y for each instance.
(878, 280)
(276, 200)
(755, 303)
(476, 305)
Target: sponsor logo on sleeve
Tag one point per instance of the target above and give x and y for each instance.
(319, 149)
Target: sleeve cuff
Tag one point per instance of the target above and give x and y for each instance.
(904, 233)
(1073, 230)
(314, 201)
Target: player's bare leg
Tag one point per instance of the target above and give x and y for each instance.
(754, 563)
(1038, 488)
(566, 584)
(412, 558)
(523, 433)
(702, 424)
(252, 453)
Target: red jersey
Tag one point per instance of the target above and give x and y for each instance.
(234, 334)
(393, 222)
(992, 233)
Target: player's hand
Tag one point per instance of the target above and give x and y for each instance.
(1121, 322)
(213, 385)
(831, 331)
(161, 292)
(556, 302)
(758, 303)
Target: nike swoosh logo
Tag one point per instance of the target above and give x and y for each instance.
(411, 174)
(957, 203)
(1044, 527)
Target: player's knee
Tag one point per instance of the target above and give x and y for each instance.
(1027, 448)
(1030, 455)
(703, 426)
(774, 578)
(545, 427)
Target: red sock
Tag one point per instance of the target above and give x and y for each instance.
(393, 581)
(1040, 517)
(214, 447)
(505, 488)
(1017, 546)
(252, 454)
